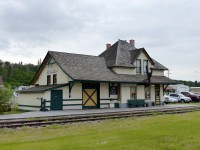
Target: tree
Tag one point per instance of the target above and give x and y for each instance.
(196, 83)
(17, 74)
(5, 96)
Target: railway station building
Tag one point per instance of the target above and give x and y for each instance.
(74, 81)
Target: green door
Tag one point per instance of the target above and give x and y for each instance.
(56, 100)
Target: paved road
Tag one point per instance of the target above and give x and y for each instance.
(34, 114)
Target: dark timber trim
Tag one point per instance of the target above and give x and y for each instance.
(72, 105)
(111, 85)
(164, 88)
(109, 99)
(71, 84)
(33, 106)
(72, 99)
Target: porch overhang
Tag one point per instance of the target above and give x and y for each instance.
(132, 79)
(42, 88)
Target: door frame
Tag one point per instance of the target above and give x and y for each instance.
(95, 86)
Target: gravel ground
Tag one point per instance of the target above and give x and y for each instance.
(34, 114)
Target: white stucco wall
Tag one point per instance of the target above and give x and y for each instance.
(104, 90)
(158, 73)
(123, 70)
(29, 99)
(140, 92)
(50, 70)
(104, 96)
(75, 101)
(125, 95)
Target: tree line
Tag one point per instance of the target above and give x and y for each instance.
(17, 74)
(189, 83)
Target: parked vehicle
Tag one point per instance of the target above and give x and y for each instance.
(180, 97)
(169, 99)
(194, 97)
(198, 95)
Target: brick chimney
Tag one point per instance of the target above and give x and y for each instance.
(108, 46)
(132, 42)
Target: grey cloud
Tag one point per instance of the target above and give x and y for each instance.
(168, 29)
(4, 44)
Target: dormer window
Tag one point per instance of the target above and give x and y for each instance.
(145, 63)
(138, 65)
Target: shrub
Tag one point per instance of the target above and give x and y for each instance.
(5, 96)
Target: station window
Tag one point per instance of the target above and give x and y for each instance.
(138, 65)
(113, 89)
(145, 63)
(48, 79)
(133, 92)
(147, 92)
(55, 79)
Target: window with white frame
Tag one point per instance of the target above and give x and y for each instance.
(133, 92)
(48, 79)
(55, 79)
(113, 88)
(145, 63)
(147, 91)
(138, 65)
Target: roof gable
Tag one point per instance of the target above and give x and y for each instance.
(96, 68)
(136, 53)
(118, 54)
(83, 67)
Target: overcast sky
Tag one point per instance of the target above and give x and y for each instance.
(168, 29)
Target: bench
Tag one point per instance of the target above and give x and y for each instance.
(136, 103)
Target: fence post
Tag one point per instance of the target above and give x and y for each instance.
(43, 105)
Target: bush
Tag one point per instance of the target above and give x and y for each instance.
(5, 96)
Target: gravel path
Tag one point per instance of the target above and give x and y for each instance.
(34, 114)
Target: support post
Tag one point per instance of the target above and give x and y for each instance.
(71, 84)
(164, 88)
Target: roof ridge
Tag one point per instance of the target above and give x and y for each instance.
(117, 52)
(72, 53)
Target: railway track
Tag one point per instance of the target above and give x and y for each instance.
(44, 121)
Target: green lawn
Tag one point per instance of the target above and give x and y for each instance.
(13, 111)
(165, 132)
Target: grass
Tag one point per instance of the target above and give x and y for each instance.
(14, 110)
(165, 132)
